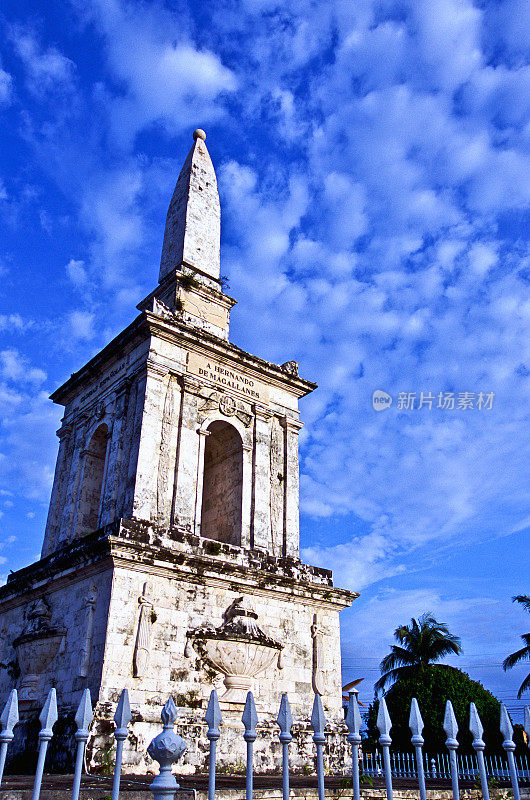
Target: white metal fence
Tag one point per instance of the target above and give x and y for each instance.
(168, 747)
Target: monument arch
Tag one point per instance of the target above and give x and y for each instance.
(92, 482)
(222, 485)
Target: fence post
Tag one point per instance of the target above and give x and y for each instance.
(353, 722)
(48, 718)
(213, 718)
(250, 720)
(475, 726)
(384, 725)
(122, 717)
(166, 748)
(285, 721)
(8, 720)
(451, 730)
(318, 723)
(509, 746)
(83, 719)
(416, 728)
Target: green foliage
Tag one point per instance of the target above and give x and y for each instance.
(436, 684)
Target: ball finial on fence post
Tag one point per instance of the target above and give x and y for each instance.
(166, 748)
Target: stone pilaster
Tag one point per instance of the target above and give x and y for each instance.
(187, 460)
(291, 534)
(145, 490)
(261, 480)
(109, 511)
(58, 491)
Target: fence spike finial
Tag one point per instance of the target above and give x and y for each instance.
(285, 721)
(250, 716)
(213, 715)
(285, 718)
(8, 720)
(353, 723)
(250, 720)
(509, 746)
(450, 725)
(475, 725)
(9, 717)
(384, 723)
(83, 718)
(213, 718)
(122, 715)
(318, 719)
(415, 722)
(506, 726)
(353, 716)
(84, 714)
(48, 716)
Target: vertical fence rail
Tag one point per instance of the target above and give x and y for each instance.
(83, 718)
(416, 728)
(285, 721)
(451, 731)
(509, 746)
(48, 718)
(475, 726)
(122, 717)
(8, 720)
(250, 720)
(353, 722)
(318, 723)
(384, 724)
(213, 718)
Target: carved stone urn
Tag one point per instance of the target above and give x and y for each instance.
(36, 648)
(238, 649)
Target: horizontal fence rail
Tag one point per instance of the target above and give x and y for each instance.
(167, 748)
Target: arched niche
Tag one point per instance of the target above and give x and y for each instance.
(222, 491)
(92, 485)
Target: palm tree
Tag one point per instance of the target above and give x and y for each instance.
(524, 653)
(421, 643)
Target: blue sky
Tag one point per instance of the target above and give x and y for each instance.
(374, 172)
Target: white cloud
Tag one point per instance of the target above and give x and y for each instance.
(81, 325)
(170, 82)
(47, 69)
(76, 272)
(15, 368)
(6, 87)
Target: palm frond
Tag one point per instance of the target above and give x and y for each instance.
(392, 676)
(523, 599)
(524, 686)
(514, 658)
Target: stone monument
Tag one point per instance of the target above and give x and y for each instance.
(170, 562)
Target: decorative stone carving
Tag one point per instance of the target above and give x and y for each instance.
(238, 649)
(90, 608)
(142, 647)
(36, 648)
(291, 368)
(227, 405)
(317, 676)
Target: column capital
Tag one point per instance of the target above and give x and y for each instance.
(291, 424)
(261, 412)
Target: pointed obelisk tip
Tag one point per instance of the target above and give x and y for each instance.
(199, 134)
